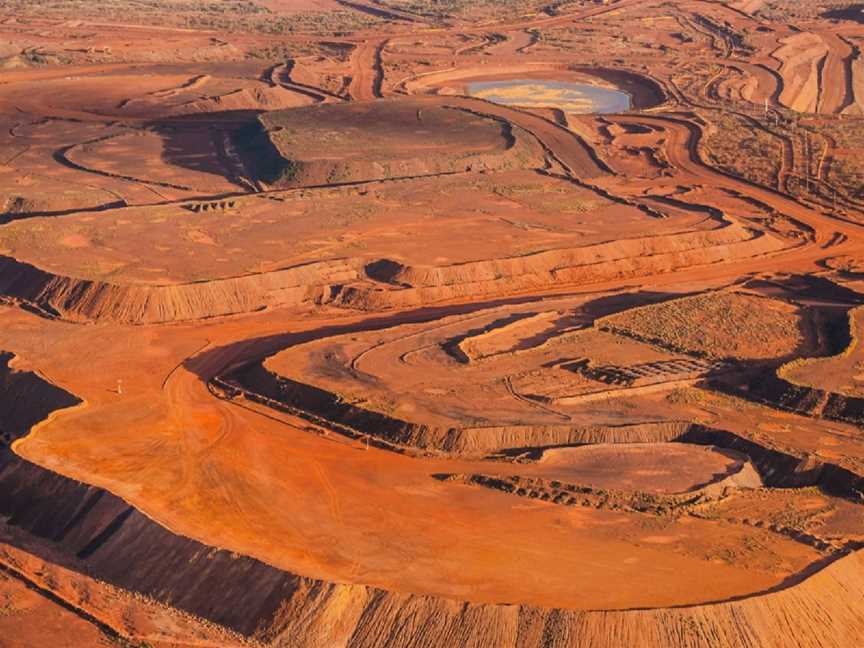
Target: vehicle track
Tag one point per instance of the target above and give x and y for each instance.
(367, 72)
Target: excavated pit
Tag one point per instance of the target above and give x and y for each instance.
(313, 348)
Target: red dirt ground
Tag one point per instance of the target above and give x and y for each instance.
(302, 346)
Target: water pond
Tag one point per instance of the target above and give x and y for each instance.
(536, 93)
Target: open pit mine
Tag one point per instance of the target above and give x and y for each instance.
(431, 324)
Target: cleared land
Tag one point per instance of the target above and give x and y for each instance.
(721, 325)
(303, 345)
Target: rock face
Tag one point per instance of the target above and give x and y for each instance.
(87, 300)
(381, 284)
(317, 404)
(619, 259)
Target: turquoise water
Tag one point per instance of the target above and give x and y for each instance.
(537, 93)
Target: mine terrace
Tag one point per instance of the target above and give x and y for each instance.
(403, 323)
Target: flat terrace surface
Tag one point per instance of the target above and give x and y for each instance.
(147, 91)
(431, 221)
(325, 508)
(655, 468)
(384, 130)
(722, 325)
(369, 140)
(114, 133)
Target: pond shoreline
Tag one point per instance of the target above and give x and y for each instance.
(571, 97)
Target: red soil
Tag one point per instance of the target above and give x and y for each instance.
(301, 346)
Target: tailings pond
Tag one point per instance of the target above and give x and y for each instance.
(535, 93)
